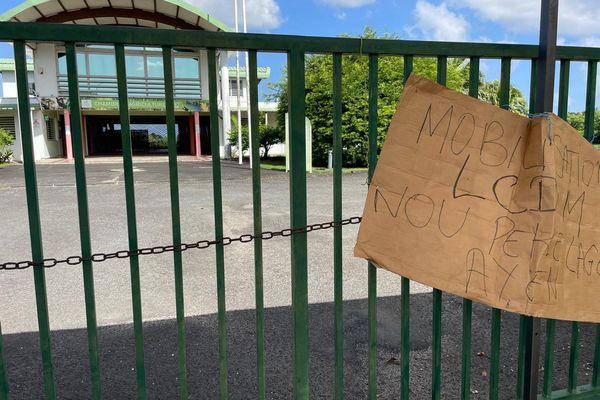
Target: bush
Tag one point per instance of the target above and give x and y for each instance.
(268, 136)
(6, 140)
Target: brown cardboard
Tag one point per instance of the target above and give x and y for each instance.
(486, 204)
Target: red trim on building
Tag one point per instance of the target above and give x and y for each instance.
(68, 143)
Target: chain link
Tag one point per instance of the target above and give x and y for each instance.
(202, 244)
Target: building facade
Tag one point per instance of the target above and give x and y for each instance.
(98, 82)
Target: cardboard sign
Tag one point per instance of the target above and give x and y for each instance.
(488, 205)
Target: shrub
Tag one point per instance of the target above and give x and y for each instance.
(268, 135)
(6, 140)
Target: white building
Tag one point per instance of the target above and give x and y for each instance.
(98, 82)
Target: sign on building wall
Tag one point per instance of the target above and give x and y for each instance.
(136, 104)
(488, 205)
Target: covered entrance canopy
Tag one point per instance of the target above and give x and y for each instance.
(145, 80)
(148, 135)
(146, 13)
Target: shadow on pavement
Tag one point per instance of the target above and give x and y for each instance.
(117, 354)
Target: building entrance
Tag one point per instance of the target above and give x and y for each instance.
(148, 135)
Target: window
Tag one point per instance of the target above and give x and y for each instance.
(62, 64)
(102, 64)
(155, 67)
(233, 88)
(8, 123)
(186, 68)
(135, 66)
(51, 129)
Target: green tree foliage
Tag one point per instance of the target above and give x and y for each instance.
(269, 135)
(490, 93)
(6, 140)
(355, 107)
(577, 121)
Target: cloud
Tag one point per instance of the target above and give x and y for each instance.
(340, 15)
(577, 18)
(346, 3)
(261, 15)
(439, 23)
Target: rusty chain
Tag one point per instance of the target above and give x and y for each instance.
(202, 244)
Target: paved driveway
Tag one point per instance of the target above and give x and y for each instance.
(112, 284)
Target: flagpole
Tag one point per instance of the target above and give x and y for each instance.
(237, 79)
(247, 83)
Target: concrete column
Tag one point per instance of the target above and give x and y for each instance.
(225, 100)
(197, 134)
(68, 143)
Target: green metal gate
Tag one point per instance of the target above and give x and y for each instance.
(296, 48)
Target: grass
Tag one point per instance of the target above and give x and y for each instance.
(278, 164)
(4, 165)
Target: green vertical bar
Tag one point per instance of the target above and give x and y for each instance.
(257, 209)
(495, 354)
(296, 101)
(474, 77)
(521, 358)
(175, 218)
(134, 265)
(524, 321)
(337, 231)
(533, 85)
(408, 66)
(494, 376)
(436, 345)
(588, 134)
(563, 97)
(465, 390)
(442, 68)
(505, 83)
(218, 204)
(405, 298)
(467, 304)
(33, 213)
(372, 278)
(3, 374)
(573, 356)
(596, 364)
(84, 219)
(590, 100)
(563, 88)
(549, 357)
(405, 337)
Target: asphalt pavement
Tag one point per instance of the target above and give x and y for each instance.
(106, 195)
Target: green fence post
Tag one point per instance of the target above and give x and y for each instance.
(134, 264)
(257, 213)
(494, 377)
(338, 278)
(465, 387)
(84, 219)
(590, 100)
(405, 298)
(372, 277)
(436, 323)
(3, 374)
(296, 101)
(563, 97)
(218, 212)
(33, 213)
(167, 54)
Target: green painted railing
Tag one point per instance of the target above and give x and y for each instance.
(296, 48)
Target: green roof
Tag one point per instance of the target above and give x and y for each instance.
(8, 64)
(8, 15)
(263, 72)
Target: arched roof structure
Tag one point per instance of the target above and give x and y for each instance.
(175, 14)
